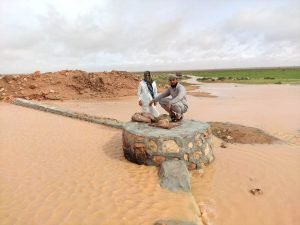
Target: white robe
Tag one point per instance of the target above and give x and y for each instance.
(145, 96)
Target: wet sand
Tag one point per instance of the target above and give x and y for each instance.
(64, 171)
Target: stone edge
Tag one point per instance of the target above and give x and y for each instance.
(68, 113)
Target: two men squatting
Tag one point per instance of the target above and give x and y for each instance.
(175, 105)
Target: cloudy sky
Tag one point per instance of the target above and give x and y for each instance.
(137, 35)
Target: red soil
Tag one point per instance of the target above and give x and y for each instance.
(68, 84)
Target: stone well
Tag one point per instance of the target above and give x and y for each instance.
(191, 141)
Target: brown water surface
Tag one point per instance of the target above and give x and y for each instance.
(55, 170)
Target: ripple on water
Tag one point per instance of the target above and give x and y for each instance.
(72, 172)
(222, 193)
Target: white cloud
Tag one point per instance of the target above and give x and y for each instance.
(138, 35)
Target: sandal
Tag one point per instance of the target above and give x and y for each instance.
(173, 118)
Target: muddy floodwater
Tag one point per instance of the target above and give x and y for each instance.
(59, 171)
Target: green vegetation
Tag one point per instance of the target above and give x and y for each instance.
(161, 78)
(252, 76)
(247, 76)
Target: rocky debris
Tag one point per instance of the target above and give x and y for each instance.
(174, 176)
(32, 86)
(69, 84)
(256, 191)
(6, 98)
(163, 121)
(143, 117)
(164, 116)
(235, 133)
(165, 124)
(224, 145)
(173, 222)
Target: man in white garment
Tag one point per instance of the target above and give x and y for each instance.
(147, 91)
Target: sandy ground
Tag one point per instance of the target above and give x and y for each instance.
(61, 171)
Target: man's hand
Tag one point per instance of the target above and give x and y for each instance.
(168, 106)
(150, 103)
(140, 103)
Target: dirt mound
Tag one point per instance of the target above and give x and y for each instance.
(235, 133)
(68, 84)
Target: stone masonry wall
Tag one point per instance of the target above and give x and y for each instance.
(191, 142)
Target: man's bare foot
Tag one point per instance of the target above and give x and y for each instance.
(179, 117)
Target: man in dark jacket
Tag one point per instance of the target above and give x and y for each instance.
(177, 104)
